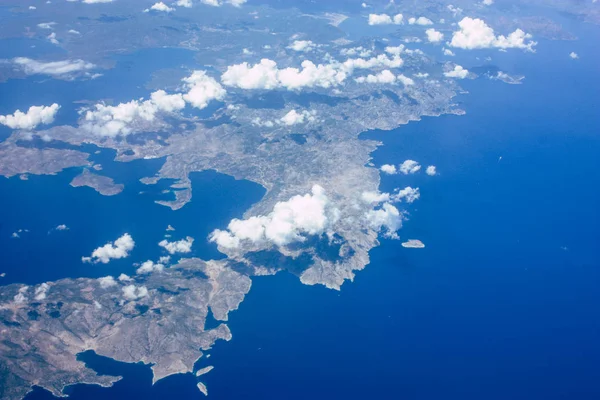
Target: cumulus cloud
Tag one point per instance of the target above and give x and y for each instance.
(149, 266)
(36, 115)
(53, 68)
(448, 52)
(21, 297)
(180, 246)
(407, 194)
(132, 292)
(474, 33)
(293, 117)
(487, 2)
(409, 167)
(434, 36)
(219, 3)
(107, 282)
(458, 72)
(120, 248)
(387, 219)
(290, 221)
(389, 169)
(420, 21)
(266, 75)
(431, 170)
(384, 19)
(385, 76)
(202, 89)
(374, 197)
(160, 6)
(41, 291)
(117, 120)
(46, 25)
(302, 45)
(574, 55)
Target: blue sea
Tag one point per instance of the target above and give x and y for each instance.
(501, 304)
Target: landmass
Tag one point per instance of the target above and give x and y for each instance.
(300, 140)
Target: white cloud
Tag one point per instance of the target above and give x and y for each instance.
(120, 248)
(106, 282)
(62, 227)
(407, 194)
(458, 72)
(302, 45)
(184, 3)
(448, 52)
(406, 81)
(164, 260)
(574, 55)
(421, 75)
(36, 115)
(46, 25)
(116, 120)
(431, 170)
(132, 292)
(387, 218)
(20, 297)
(202, 89)
(487, 2)
(52, 38)
(395, 50)
(409, 167)
(73, 32)
(149, 266)
(384, 19)
(389, 169)
(420, 21)
(385, 76)
(218, 3)
(53, 68)
(434, 36)
(41, 291)
(160, 6)
(290, 221)
(180, 246)
(293, 117)
(374, 197)
(474, 33)
(379, 19)
(266, 75)
(124, 278)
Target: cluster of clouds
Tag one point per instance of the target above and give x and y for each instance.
(267, 75)
(36, 115)
(398, 19)
(180, 246)
(105, 120)
(120, 248)
(290, 221)
(408, 167)
(162, 7)
(385, 77)
(474, 33)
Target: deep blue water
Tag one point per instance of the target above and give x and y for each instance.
(501, 304)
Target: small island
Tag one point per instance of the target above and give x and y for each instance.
(102, 184)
